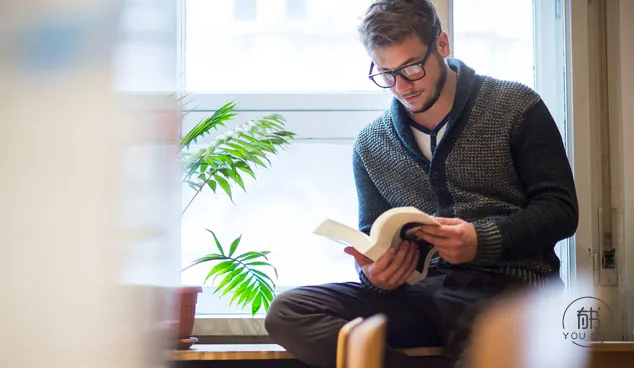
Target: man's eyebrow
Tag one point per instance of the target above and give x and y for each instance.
(406, 62)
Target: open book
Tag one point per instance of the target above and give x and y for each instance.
(388, 230)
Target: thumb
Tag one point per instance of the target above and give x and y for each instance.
(360, 258)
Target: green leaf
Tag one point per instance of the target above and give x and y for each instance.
(225, 186)
(235, 282)
(219, 118)
(243, 291)
(246, 169)
(254, 147)
(285, 134)
(238, 179)
(231, 265)
(217, 242)
(207, 258)
(266, 304)
(229, 278)
(248, 256)
(264, 284)
(234, 245)
(238, 154)
(239, 148)
(257, 161)
(267, 293)
(237, 292)
(212, 184)
(217, 160)
(193, 185)
(234, 176)
(220, 273)
(263, 146)
(252, 294)
(262, 274)
(245, 295)
(258, 263)
(255, 306)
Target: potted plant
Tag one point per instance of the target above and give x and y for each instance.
(221, 164)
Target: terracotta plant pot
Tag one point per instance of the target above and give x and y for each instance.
(187, 299)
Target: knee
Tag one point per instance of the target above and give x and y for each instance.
(278, 318)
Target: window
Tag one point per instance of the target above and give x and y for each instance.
(296, 9)
(497, 43)
(245, 10)
(303, 59)
(290, 46)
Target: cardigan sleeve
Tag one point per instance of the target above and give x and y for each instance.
(551, 211)
(371, 203)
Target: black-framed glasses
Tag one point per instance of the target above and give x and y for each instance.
(410, 72)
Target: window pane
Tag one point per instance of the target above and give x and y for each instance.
(495, 37)
(275, 46)
(306, 183)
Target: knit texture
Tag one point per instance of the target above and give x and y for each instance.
(500, 165)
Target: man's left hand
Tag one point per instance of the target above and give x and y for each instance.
(455, 239)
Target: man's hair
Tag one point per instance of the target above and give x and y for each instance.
(389, 22)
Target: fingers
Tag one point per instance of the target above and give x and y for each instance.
(409, 267)
(443, 231)
(439, 241)
(449, 221)
(400, 263)
(384, 262)
(360, 258)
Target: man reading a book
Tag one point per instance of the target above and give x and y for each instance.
(481, 154)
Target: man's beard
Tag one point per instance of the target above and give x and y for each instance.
(437, 91)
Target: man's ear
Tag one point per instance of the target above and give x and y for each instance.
(442, 45)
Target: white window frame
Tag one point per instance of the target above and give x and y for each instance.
(579, 147)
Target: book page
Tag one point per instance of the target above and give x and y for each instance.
(344, 234)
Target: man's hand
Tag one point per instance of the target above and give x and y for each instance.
(392, 269)
(455, 239)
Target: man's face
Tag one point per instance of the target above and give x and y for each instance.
(417, 96)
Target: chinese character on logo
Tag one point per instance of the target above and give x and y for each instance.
(585, 318)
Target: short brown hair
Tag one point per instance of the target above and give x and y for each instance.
(389, 22)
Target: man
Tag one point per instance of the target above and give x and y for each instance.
(483, 155)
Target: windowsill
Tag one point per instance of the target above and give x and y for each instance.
(229, 325)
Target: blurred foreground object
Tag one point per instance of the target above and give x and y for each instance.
(525, 331)
(89, 197)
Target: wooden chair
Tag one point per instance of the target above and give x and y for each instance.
(361, 343)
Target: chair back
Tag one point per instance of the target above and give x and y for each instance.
(361, 343)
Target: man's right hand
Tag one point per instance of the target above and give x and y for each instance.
(392, 269)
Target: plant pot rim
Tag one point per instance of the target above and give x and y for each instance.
(190, 289)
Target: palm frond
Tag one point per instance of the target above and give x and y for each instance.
(244, 275)
(241, 149)
(225, 113)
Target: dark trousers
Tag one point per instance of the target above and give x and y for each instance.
(438, 311)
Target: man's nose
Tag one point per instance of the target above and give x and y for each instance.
(402, 84)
